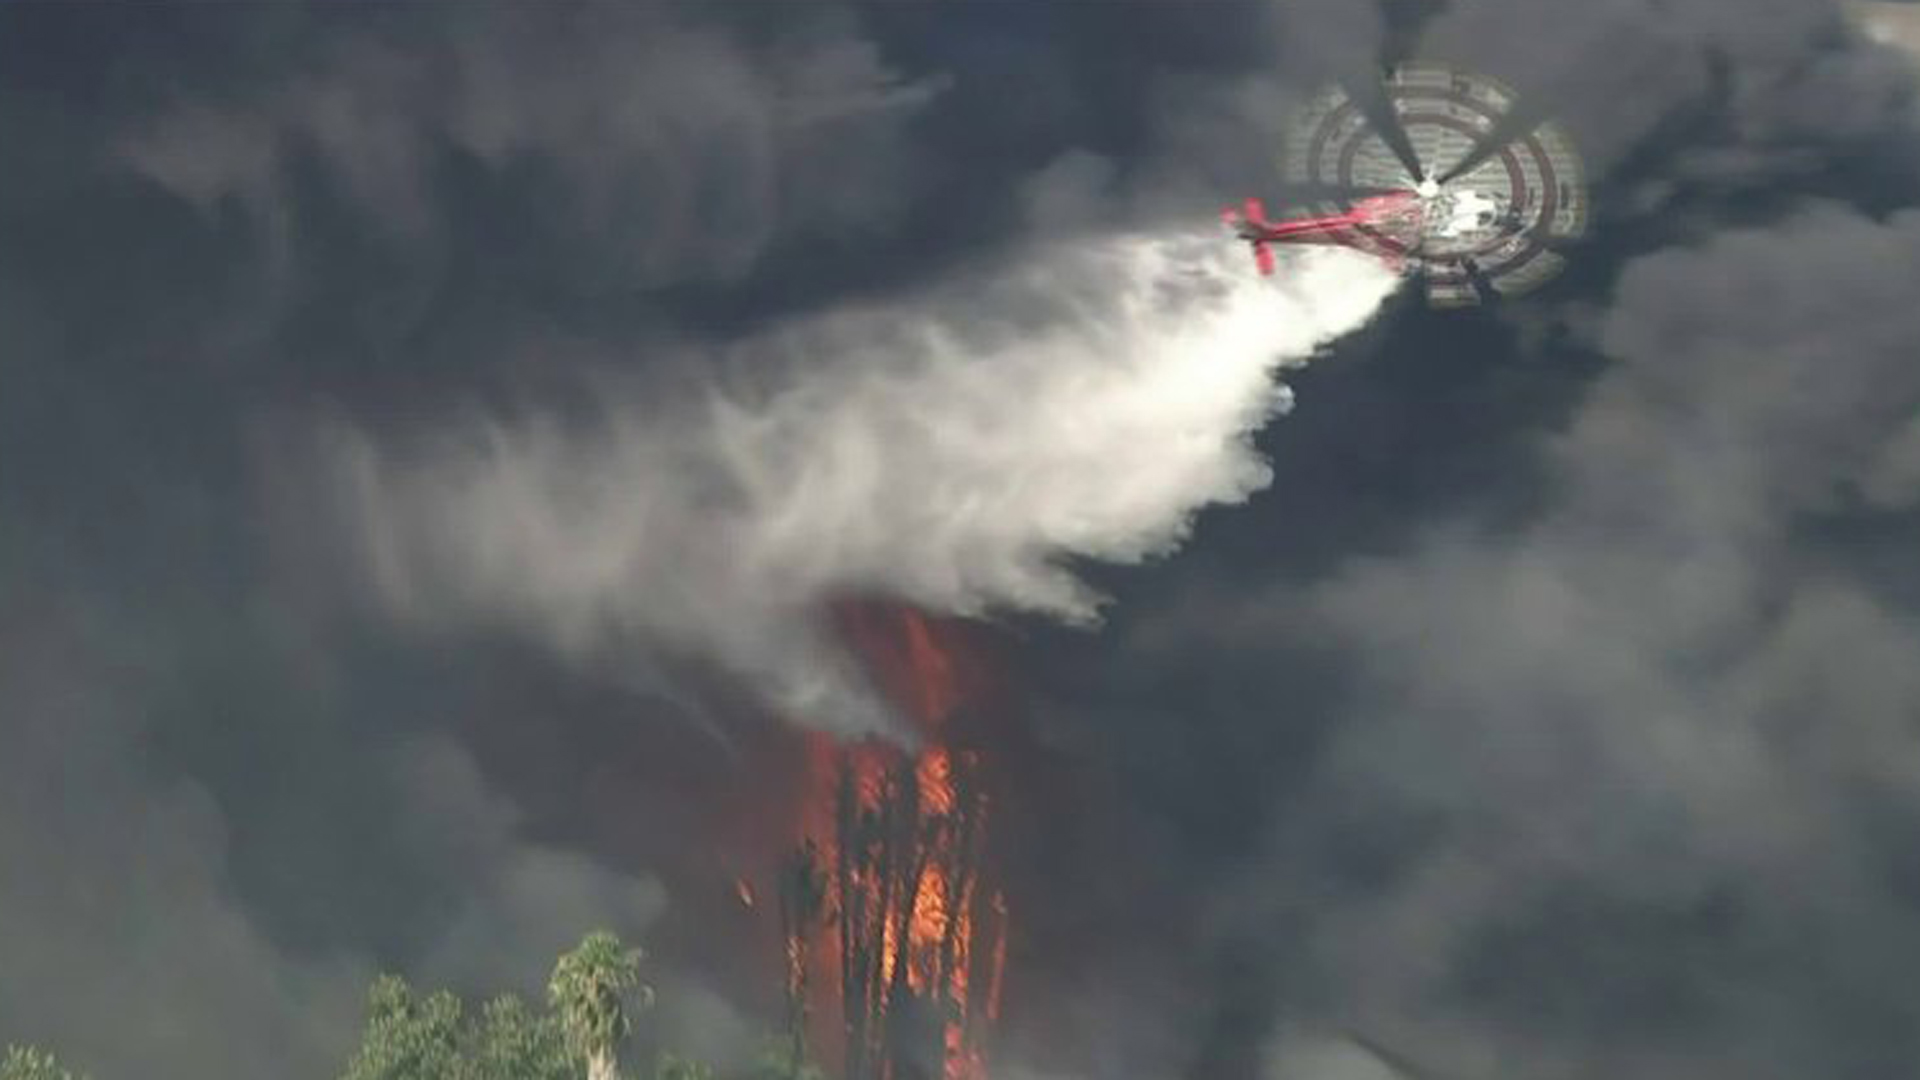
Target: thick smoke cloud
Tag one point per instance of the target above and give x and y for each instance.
(950, 451)
(219, 221)
(1592, 786)
(1583, 773)
(660, 149)
(114, 873)
(1545, 716)
(1704, 720)
(227, 807)
(124, 865)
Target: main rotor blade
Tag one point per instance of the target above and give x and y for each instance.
(1395, 1060)
(1371, 97)
(1509, 129)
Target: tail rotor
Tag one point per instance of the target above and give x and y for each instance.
(1249, 223)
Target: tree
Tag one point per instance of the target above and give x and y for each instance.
(516, 1043)
(408, 1037)
(594, 992)
(32, 1063)
(589, 991)
(803, 906)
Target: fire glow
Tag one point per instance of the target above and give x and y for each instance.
(895, 945)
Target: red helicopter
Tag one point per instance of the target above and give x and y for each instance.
(1385, 225)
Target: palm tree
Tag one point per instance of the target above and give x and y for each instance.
(803, 901)
(590, 989)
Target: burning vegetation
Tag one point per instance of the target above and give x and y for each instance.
(895, 935)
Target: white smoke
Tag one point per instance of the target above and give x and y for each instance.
(949, 450)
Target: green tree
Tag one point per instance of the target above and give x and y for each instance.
(408, 1037)
(32, 1063)
(514, 1042)
(590, 991)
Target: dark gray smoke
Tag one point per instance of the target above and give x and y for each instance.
(1548, 716)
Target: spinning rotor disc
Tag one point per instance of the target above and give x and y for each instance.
(1499, 192)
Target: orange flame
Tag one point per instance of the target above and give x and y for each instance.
(899, 837)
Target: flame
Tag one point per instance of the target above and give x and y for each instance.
(904, 918)
(744, 890)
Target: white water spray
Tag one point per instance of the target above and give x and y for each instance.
(947, 449)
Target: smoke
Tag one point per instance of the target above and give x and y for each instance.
(675, 149)
(953, 450)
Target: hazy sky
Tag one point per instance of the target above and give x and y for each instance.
(428, 434)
